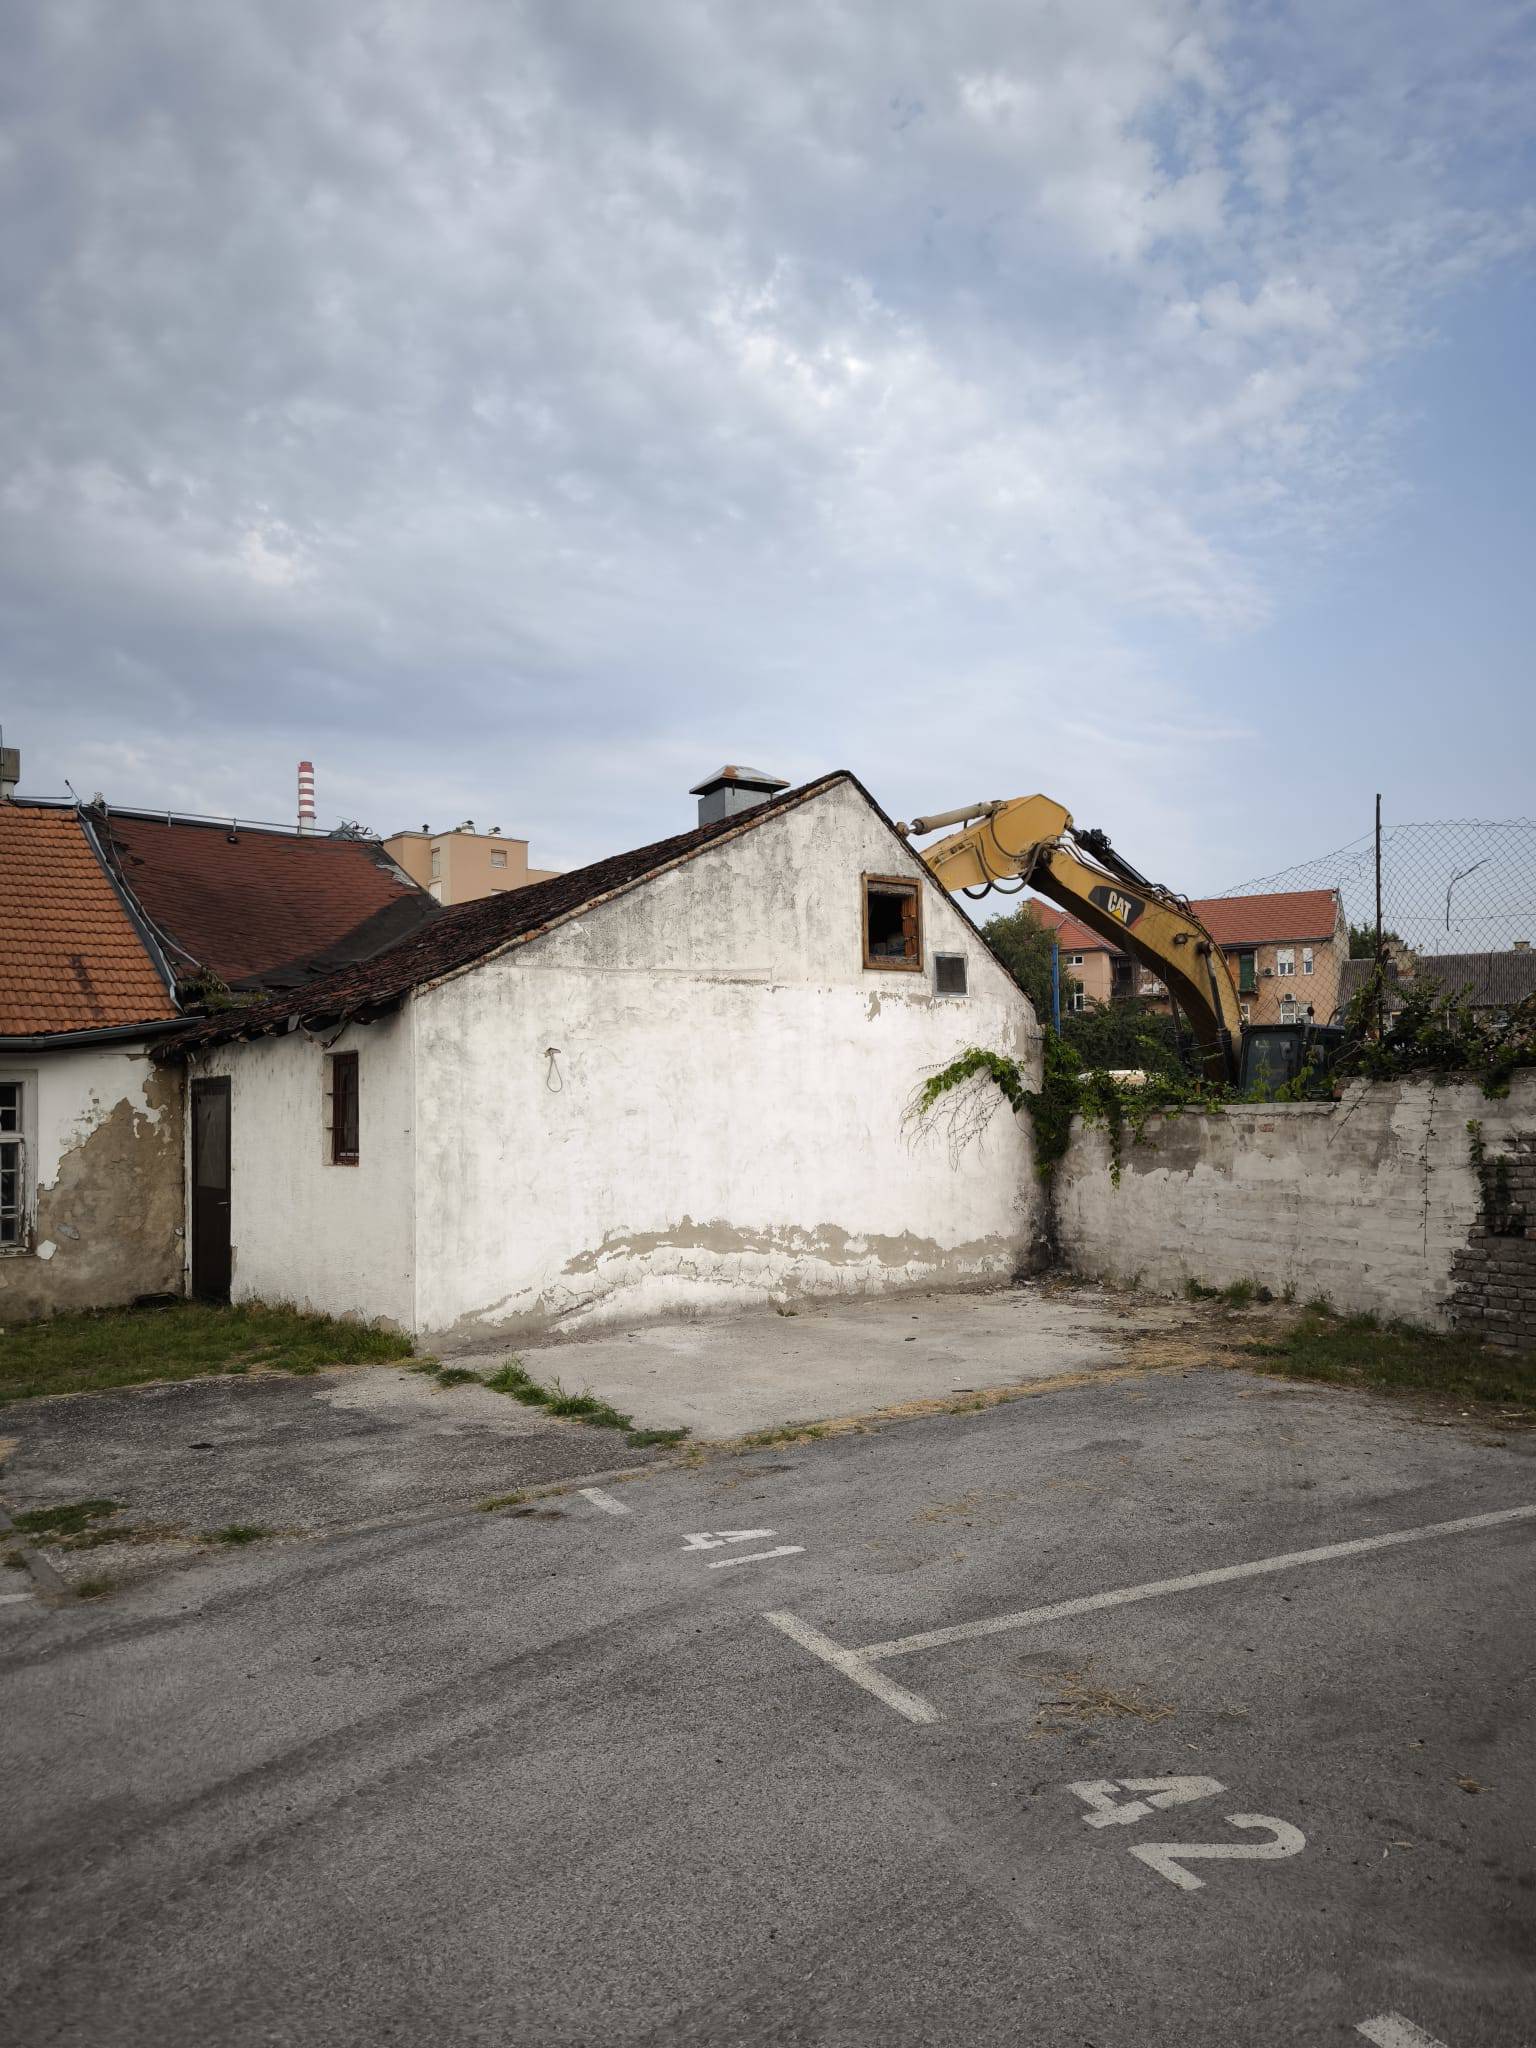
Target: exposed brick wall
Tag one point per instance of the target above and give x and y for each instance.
(1375, 1202)
(1495, 1271)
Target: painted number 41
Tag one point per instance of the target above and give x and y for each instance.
(1106, 1810)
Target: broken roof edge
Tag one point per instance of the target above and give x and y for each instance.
(307, 1009)
(301, 1012)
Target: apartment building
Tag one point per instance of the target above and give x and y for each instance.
(1286, 950)
(463, 865)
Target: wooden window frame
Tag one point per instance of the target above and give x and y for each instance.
(342, 1063)
(17, 1140)
(908, 885)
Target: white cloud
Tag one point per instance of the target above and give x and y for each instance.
(499, 397)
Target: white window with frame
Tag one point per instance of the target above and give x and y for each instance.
(1306, 960)
(1077, 1000)
(1288, 1010)
(1285, 960)
(1074, 959)
(1247, 1010)
(18, 1097)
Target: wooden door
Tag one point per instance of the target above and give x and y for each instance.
(210, 1190)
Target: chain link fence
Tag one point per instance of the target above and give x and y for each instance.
(1448, 887)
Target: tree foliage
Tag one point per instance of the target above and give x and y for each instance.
(1023, 944)
(1122, 1035)
(1362, 941)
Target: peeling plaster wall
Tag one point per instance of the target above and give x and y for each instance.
(106, 1139)
(722, 1120)
(1372, 1201)
(333, 1238)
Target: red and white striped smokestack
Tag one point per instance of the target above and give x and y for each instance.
(306, 796)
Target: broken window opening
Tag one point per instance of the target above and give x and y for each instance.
(344, 1109)
(893, 923)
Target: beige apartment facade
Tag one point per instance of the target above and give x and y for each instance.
(1286, 951)
(463, 865)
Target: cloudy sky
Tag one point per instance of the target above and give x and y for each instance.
(521, 406)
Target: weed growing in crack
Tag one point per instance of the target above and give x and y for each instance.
(72, 1519)
(513, 1379)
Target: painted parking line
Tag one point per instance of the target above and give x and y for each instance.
(849, 1660)
(10, 1599)
(856, 1666)
(602, 1500)
(1391, 2030)
(756, 1556)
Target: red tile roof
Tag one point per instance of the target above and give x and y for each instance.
(263, 909)
(1269, 920)
(471, 931)
(1071, 936)
(71, 958)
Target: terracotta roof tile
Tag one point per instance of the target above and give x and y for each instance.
(263, 909)
(1270, 919)
(70, 956)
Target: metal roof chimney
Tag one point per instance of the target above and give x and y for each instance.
(10, 772)
(731, 789)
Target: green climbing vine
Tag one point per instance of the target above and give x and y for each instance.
(1066, 1091)
(1435, 1031)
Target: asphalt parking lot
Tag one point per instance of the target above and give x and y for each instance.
(1107, 1717)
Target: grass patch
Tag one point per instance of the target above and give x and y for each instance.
(1195, 1290)
(124, 1347)
(238, 1533)
(514, 1379)
(791, 1433)
(92, 1589)
(1360, 1351)
(455, 1376)
(14, 1561)
(500, 1500)
(71, 1519)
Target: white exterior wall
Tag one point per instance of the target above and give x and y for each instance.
(1367, 1201)
(103, 1132)
(333, 1238)
(723, 1120)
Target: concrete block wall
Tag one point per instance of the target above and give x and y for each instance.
(1375, 1201)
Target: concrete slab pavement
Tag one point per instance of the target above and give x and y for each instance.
(729, 1377)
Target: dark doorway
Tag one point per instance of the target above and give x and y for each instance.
(210, 1190)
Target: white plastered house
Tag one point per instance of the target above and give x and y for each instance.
(677, 1082)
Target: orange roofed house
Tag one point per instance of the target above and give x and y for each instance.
(115, 927)
(1286, 951)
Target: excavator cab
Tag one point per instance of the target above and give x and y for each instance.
(1274, 1054)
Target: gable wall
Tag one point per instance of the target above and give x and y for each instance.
(722, 1121)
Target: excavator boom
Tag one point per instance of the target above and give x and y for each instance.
(1032, 839)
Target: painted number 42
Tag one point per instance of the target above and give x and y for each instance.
(1106, 1810)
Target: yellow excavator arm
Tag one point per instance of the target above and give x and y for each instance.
(1030, 839)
